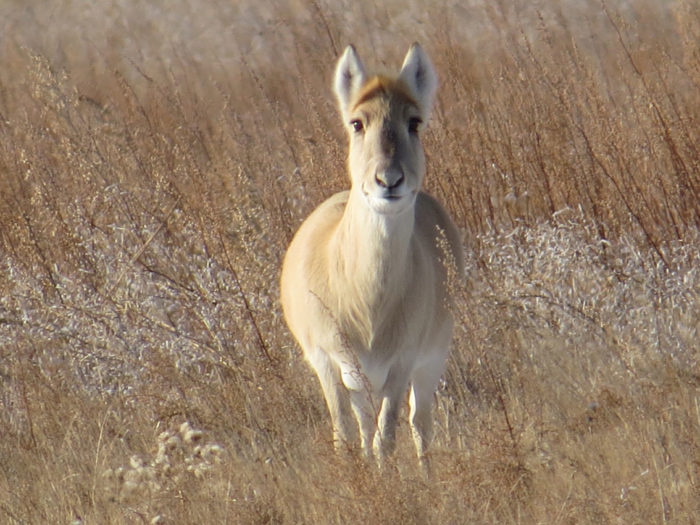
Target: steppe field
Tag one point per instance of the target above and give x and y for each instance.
(156, 158)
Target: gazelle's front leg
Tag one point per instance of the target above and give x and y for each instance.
(336, 396)
(385, 438)
(361, 400)
(366, 415)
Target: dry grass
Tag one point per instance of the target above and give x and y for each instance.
(154, 163)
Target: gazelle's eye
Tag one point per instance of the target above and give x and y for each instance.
(357, 125)
(413, 124)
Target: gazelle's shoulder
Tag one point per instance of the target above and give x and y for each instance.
(428, 207)
(332, 208)
(430, 215)
(321, 222)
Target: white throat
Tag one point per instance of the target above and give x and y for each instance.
(375, 246)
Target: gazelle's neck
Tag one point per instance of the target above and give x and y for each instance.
(373, 248)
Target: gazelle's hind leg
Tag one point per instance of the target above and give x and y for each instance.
(393, 395)
(423, 385)
(336, 396)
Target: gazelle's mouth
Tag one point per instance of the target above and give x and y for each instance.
(385, 194)
(389, 201)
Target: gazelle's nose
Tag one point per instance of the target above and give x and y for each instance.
(389, 178)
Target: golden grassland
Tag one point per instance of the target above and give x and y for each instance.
(155, 160)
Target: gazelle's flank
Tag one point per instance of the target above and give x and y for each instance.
(364, 282)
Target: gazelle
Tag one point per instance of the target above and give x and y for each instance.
(364, 281)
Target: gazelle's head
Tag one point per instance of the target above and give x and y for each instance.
(384, 117)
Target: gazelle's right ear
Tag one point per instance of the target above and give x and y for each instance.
(349, 77)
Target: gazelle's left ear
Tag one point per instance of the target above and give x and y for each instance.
(418, 73)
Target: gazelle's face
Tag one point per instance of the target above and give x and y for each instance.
(386, 158)
(384, 117)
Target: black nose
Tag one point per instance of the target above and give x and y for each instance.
(389, 179)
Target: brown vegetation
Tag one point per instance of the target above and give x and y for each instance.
(154, 163)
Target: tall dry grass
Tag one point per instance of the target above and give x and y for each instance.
(155, 160)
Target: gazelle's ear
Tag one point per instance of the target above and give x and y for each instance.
(418, 73)
(349, 77)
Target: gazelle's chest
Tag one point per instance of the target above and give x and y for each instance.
(385, 316)
(398, 344)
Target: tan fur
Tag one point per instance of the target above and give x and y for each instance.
(363, 283)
